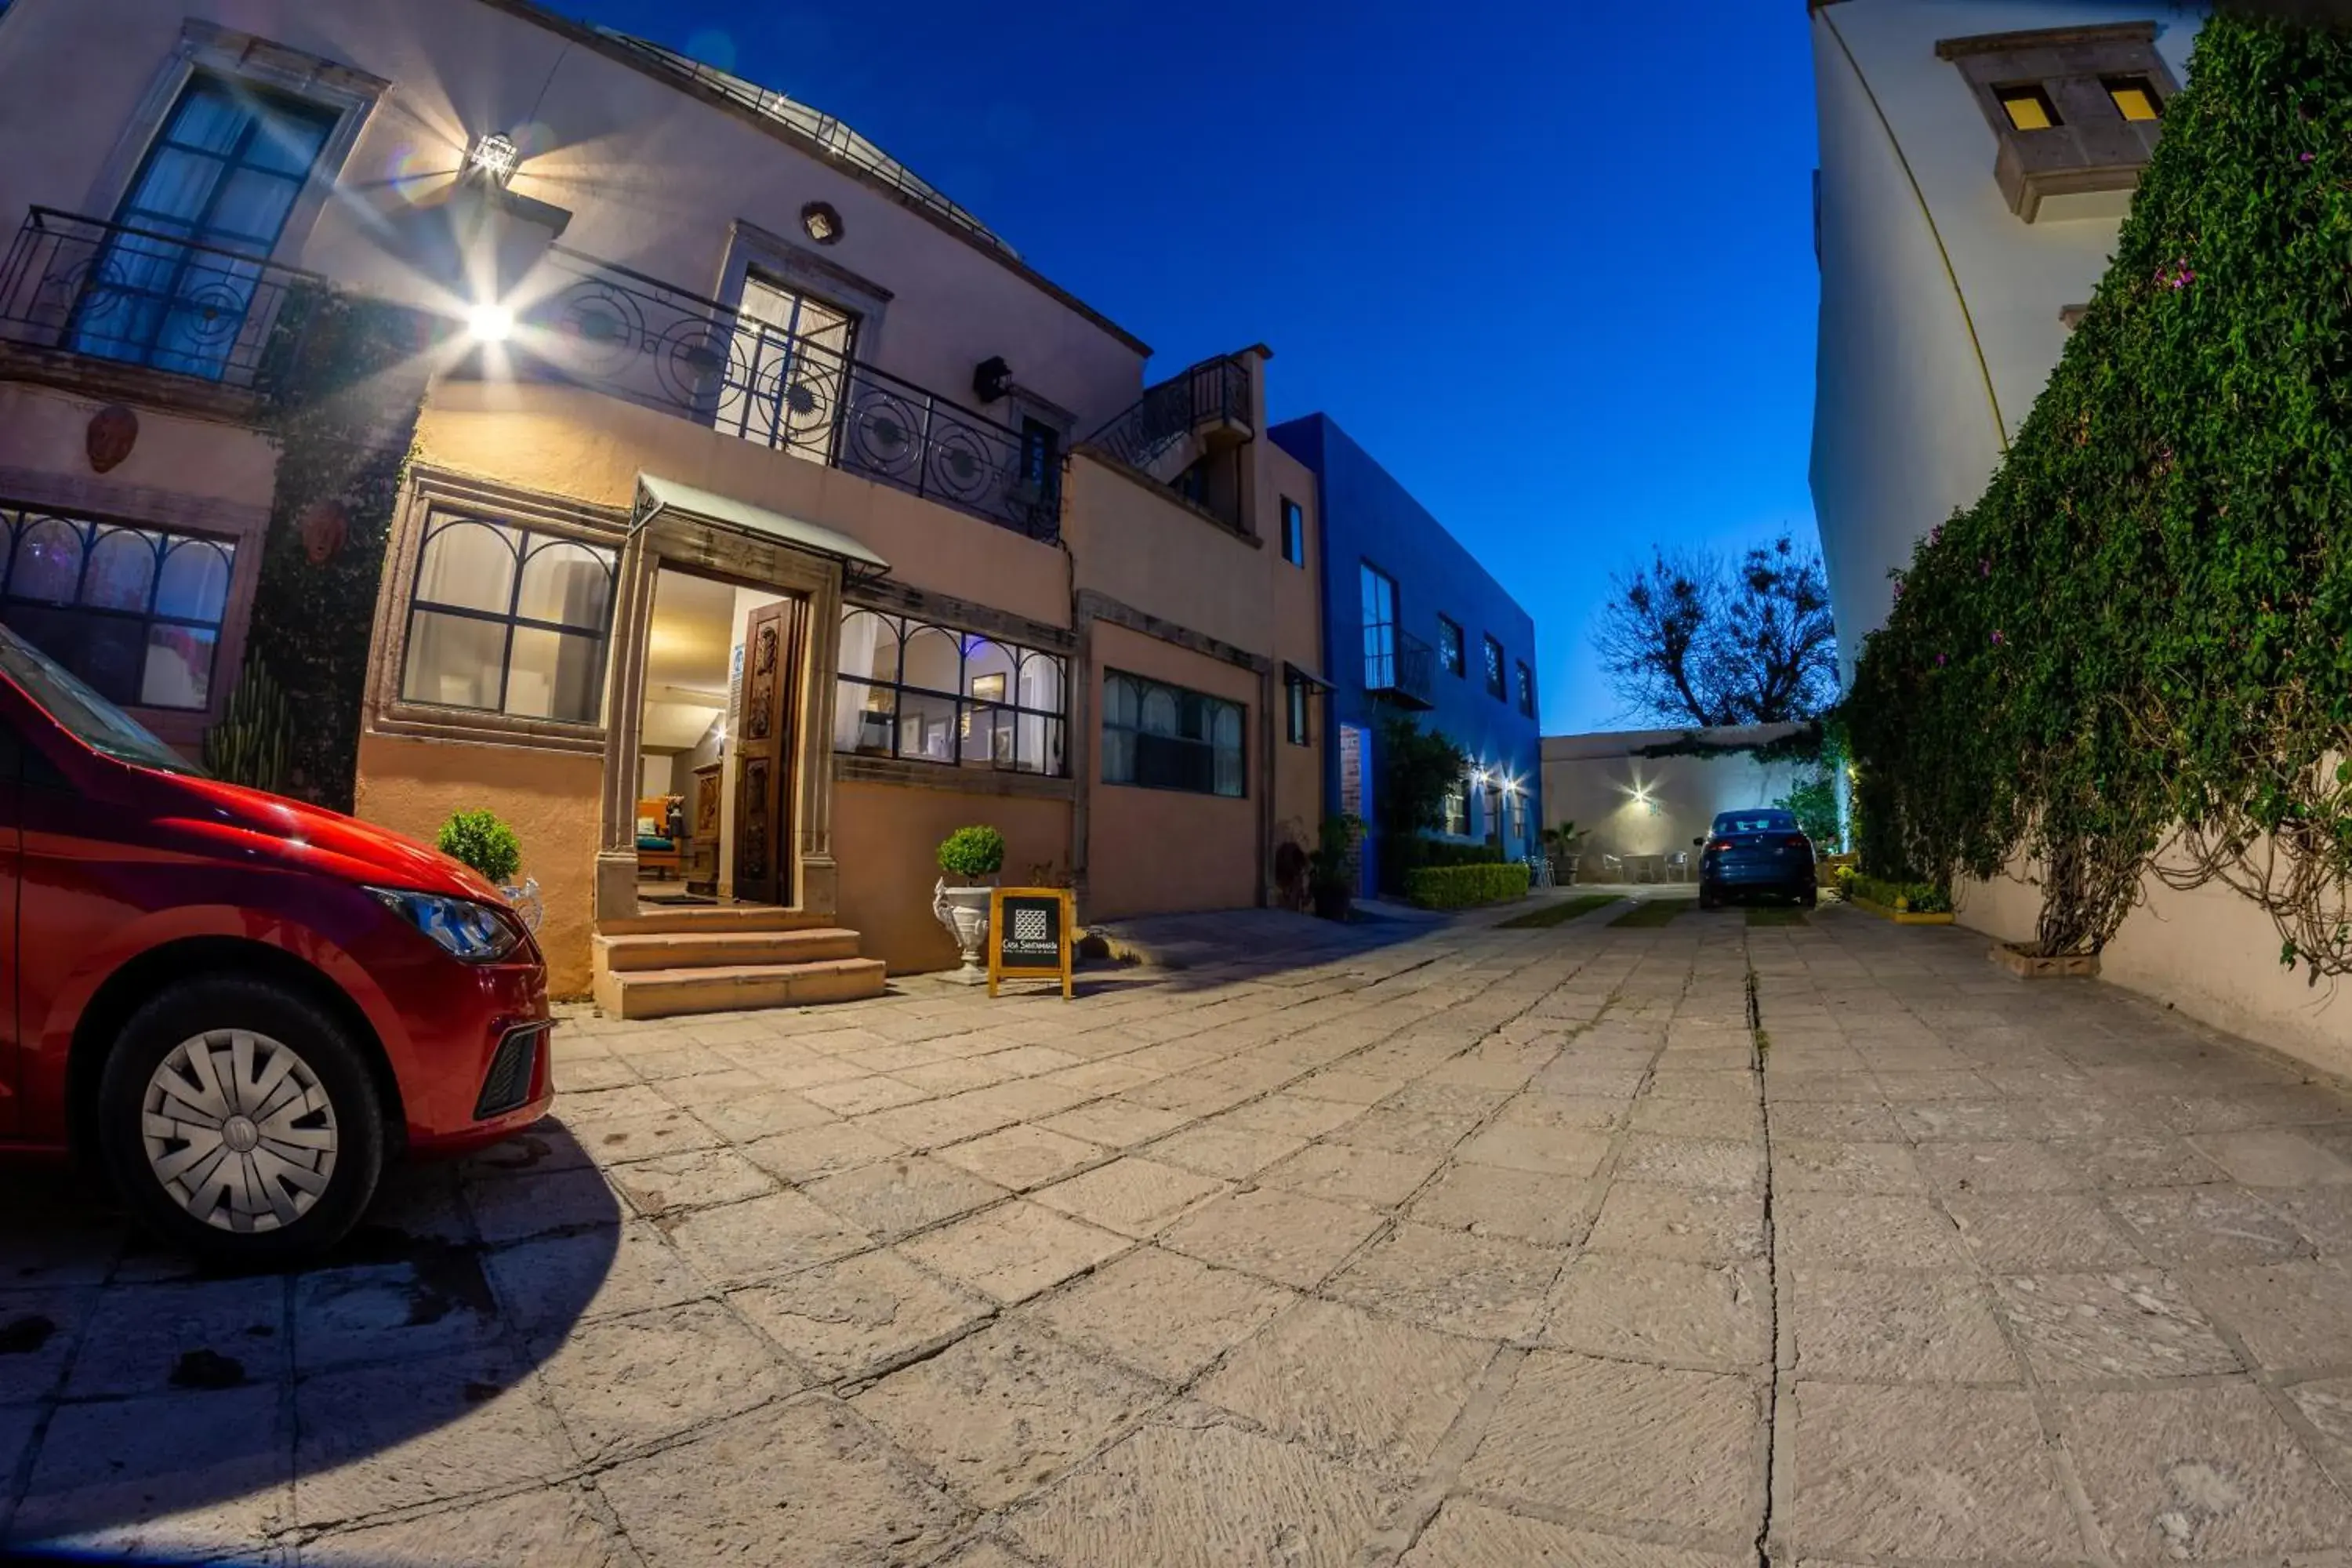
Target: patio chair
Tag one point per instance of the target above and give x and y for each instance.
(1612, 867)
(1679, 865)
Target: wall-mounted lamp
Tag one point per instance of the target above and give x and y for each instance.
(489, 323)
(494, 158)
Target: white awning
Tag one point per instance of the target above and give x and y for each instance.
(657, 495)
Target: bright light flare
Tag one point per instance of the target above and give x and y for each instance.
(489, 323)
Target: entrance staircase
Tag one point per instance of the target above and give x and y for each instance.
(665, 962)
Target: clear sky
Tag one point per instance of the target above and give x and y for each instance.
(1552, 263)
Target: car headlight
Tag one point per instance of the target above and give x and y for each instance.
(474, 932)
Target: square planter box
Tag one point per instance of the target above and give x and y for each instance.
(2032, 966)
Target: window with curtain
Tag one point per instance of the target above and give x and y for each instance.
(788, 369)
(135, 611)
(912, 690)
(509, 620)
(1165, 737)
(173, 283)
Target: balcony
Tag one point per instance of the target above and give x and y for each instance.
(1400, 668)
(101, 291)
(604, 326)
(1176, 433)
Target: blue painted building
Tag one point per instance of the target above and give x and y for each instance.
(1412, 622)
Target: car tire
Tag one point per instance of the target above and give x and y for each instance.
(1811, 898)
(1707, 901)
(307, 1163)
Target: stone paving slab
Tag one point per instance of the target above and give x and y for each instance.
(1437, 1245)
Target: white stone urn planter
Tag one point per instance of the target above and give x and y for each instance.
(964, 912)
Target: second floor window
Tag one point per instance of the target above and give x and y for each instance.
(1293, 533)
(173, 283)
(912, 690)
(136, 613)
(1526, 690)
(788, 369)
(1165, 737)
(1379, 629)
(509, 620)
(1449, 646)
(1494, 668)
(1298, 717)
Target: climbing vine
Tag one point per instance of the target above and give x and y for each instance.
(2129, 657)
(345, 378)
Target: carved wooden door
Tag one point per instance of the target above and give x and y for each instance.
(763, 751)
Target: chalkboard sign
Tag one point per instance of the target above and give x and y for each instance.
(1030, 935)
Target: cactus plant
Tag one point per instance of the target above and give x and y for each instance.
(248, 745)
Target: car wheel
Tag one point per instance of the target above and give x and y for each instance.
(1811, 898)
(240, 1122)
(1707, 901)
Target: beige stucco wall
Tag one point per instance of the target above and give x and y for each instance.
(1651, 805)
(2209, 953)
(548, 797)
(1297, 610)
(886, 838)
(1136, 543)
(1154, 850)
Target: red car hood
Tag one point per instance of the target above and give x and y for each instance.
(327, 841)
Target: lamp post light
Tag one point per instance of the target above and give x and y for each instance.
(494, 158)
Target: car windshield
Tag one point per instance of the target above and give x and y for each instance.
(1755, 822)
(98, 723)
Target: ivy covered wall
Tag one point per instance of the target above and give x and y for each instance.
(2130, 656)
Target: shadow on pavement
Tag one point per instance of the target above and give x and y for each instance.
(150, 1408)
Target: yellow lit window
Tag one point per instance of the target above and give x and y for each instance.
(2134, 96)
(2029, 108)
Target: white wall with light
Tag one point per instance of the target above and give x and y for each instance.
(1636, 804)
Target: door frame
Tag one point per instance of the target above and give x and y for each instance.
(687, 543)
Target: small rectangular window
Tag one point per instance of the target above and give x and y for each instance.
(1299, 726)
(1041, 451)
(2028, 107)
(1494, 668)
(1165, 737)
(1293, 533)
(785, 374)
(2134, 97)
(1449, 646)
(1526, 690)
(1454, 811)
(1379, 607)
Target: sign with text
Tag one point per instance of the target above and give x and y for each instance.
(1031, 935)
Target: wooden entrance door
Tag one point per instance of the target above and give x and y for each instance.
(762, 750)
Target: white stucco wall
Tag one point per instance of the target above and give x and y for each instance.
(1918, 246)
(1634, 804)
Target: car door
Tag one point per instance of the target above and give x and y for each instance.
(12, 752)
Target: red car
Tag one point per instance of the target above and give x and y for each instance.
(238, 1007)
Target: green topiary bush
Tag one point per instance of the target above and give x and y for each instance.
(1459, 887)
(972, 853)
(482, 841)
(2130, 654)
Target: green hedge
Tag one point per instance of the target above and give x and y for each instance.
(1911, 898)
(1459, 887)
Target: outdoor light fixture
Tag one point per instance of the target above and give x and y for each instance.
(494, 157)
(489, 323)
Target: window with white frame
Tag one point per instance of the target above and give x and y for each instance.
(135, 611)
(509, 620)
(787, 368)
(1166, 737)
(929, 693)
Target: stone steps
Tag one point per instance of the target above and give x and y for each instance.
(666, 963)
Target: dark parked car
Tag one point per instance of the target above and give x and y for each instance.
(238, 1008)
(1759, 851)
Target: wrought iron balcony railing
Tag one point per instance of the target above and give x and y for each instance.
(637, 337)
(117, 291)
(1399, 667)
(1214, 393)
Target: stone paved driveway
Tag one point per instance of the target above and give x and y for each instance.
(1475, 1248)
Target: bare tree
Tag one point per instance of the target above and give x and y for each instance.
(1695, 638)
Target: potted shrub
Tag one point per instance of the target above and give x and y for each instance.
(481, 840)
(1328, 884)
(972, 856)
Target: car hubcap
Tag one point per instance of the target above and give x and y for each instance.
(239, 1130)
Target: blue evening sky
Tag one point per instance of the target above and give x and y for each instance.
(1550, 263)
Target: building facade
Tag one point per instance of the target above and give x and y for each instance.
(1639, 797)
(1413, 625)
(723, 505)
(1978, 158)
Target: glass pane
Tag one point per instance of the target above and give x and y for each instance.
(988, 671)
(927, 727)
(1120, 702)
(452, 660)
(988, 736)
(194, 584)
(556, 674)
(467, 564)
(1160, 713)
(48, 565)
(571, 585)
(250, 210)
(121, 570)
(179, 672)
(934, 661)
(288, 141)
(103, 650)
(1229, 725)
(1229, 772)
(172, 192)
(1118, 756)
(869, 646)
(208, 116)
(1041, 682)
(864, 718)
(1037, 745)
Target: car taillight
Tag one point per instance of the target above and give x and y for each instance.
(1718, 846)
(1796, 841)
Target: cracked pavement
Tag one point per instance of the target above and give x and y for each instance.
(1652, 1248)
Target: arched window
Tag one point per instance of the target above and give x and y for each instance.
(1165, 737)
(135, 611)
(509, 620)
(932, 693)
